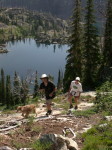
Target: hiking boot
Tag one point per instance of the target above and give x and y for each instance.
(48, 112)
(71, 106)
(76, 107)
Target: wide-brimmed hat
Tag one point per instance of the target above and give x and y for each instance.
(77, 78)
(43, 76)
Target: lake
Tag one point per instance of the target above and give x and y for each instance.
(27, 56)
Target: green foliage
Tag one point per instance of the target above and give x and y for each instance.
(88, 98)
(17, 89)
(65, 106)
(59, 92)
(91, 52)
(36, 129)
(30, 121)
(98, 138)
(0, 92)
(36, 87)
(8, 92)
(105, 71)
(12, 96)
(22, 23)
(104, 98)
(85, 113)
(107, 52)
(60, 80)
(24, 90)
(3, 96)
(57, 100)
(19, 145)
(37, 145)
(74, 58)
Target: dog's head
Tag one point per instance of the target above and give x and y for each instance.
(19, 108)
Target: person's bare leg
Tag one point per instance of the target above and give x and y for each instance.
(49, 111)
(48, 106)
(70, 101)
(76, 102)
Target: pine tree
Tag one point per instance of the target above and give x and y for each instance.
(0, 92)
(107, 52)
(36, 86)
(60, 80)
(16, 89)
(105, 72)
(91, 51)
(8, 92)
(2, 87)
(74, 58)
(24, 91)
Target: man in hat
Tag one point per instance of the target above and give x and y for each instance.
(74, 91)
(49, 88)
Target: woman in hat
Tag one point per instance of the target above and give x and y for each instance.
(74, 91)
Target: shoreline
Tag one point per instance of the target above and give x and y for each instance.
(3, 49)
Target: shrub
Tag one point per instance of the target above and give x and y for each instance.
(37, 145)
(85, 113)
(98, 138)
(104, 98)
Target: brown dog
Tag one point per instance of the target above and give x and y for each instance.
(27, 109)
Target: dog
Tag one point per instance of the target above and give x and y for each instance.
(27, 109)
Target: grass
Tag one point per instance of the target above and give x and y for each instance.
(65, 106)
(98, 138)
(7, 111)
(85, 113)
(1, 138)
(30, 121)
(21, 130)
(57, 100)
(88, 98)
(19, 145)
(36, 128)
(2, 122)
(37, 145)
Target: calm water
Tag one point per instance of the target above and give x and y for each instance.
(25, 57)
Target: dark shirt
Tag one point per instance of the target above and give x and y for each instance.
(48, 89)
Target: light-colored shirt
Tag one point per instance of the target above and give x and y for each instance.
(75, 88)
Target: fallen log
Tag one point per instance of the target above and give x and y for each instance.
(9, 128)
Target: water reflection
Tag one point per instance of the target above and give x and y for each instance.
(28, 54)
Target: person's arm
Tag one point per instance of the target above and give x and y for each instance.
(51, 94)
(80, 89)
(41, 88)
(53, 91)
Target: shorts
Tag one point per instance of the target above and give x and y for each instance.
(75, 94)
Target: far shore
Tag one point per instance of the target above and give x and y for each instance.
(3, 49)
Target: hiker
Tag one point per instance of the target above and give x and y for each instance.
(49, 89)
(75, 91)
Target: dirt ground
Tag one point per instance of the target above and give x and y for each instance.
(31, 129)
(27, 133)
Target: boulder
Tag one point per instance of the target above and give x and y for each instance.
(71, 144)
(59, 142)
(109, 118)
